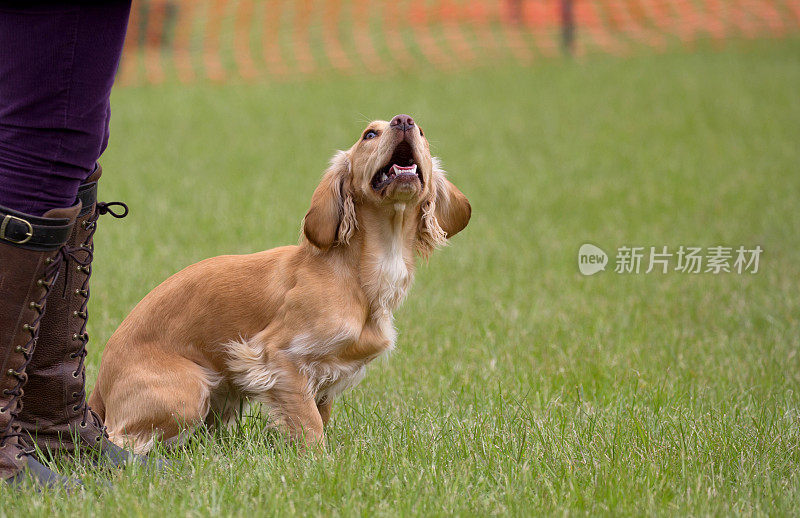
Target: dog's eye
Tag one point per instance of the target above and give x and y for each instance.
(421, 134)
(370, 134)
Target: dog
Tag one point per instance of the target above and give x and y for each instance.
(293, 327)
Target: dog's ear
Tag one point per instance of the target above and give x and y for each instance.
(332, 217)
(444, 214)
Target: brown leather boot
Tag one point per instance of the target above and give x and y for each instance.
(56, 416)
(31, 253)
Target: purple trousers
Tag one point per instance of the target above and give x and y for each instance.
(57, 66)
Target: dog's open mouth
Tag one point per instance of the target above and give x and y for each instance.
(401, 168)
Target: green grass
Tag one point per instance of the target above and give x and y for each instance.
(518, 386)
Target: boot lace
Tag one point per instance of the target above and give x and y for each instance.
(82, 337)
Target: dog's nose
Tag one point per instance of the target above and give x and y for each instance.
(402, 122)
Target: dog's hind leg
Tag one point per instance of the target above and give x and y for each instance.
(159, 404)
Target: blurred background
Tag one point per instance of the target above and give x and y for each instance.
(248, 40)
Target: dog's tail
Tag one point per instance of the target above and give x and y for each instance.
(96, 403)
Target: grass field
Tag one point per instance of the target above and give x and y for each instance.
(518, 386)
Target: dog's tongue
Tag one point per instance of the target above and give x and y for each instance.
(411, 169)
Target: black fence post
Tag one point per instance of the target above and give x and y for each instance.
(567, 27)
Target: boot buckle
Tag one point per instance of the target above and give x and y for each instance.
(6, 220)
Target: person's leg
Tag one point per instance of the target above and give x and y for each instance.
(57, 66)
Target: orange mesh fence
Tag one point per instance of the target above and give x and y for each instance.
(218, 40)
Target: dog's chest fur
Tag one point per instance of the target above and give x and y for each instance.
(335, 361)
(332, 353)
(388, 280)
(386, 276)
